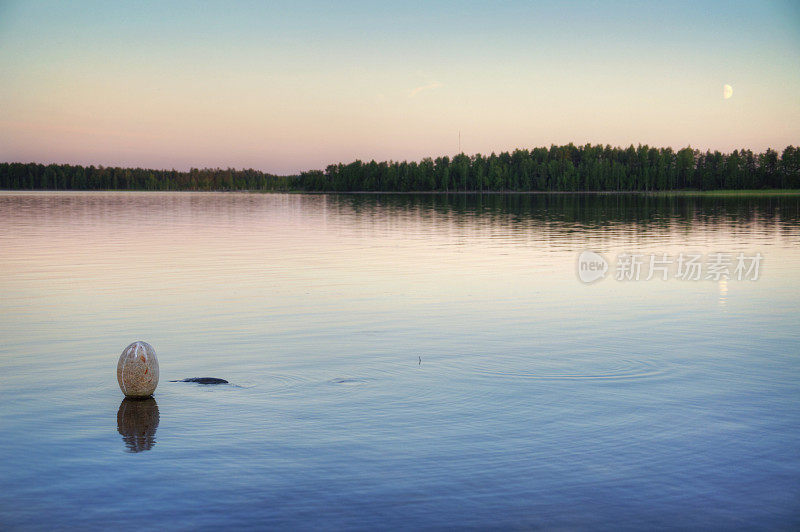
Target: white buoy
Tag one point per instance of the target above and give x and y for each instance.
(137, 370)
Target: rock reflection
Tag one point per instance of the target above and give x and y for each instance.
(137, 421)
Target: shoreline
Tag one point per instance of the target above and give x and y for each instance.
(724, 192)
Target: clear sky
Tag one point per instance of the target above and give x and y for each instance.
(290, 86)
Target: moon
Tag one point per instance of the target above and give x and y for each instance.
(727, 91)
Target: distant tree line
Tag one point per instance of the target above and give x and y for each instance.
(558, 168)
(32, 176)
(569, 168)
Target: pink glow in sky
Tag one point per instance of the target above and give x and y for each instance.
(285, 88)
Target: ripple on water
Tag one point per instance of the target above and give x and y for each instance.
(275, 383)
(583, 366)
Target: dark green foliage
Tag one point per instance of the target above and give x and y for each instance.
(558, 168)
(568, 168)
(32, 176)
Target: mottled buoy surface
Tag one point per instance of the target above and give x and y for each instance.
(137, 370)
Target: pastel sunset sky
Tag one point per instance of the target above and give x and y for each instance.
(291, 86)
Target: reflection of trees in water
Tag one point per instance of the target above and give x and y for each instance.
(564, 212)
(137, 421)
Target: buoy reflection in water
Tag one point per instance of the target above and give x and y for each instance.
(137, 421)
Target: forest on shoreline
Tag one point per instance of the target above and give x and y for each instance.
(566, 168)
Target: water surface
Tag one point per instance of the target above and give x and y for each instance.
(396, 361)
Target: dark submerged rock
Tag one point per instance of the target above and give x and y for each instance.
(204, 380)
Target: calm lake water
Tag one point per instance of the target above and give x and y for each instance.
(397, 362)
